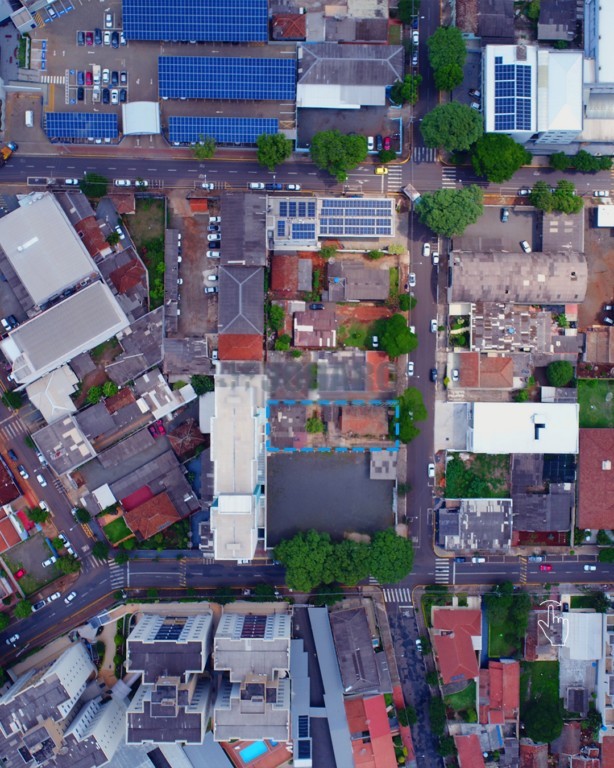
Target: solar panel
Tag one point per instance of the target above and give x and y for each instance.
(196, 20)
(81, 125)
(303, 726)
(281, 228)
(253, 626)
(283, 208)
(204, 77)
(303, 231)
(512, 96)
(225, 130)
(356, 218)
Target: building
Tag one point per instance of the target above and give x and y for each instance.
(557, 20)
(238, 512)
(173, 646)
(600, 344)
(605, 686)
(520, 278)
(369, 725)
(315, 328)
(357, 659)
(604, 216)
(75, 325)
(499, 692)
(475, 524)
(52, 394)
(95, 734)
(599, 52)
(290, 275)
(457, 638)
(560, 111)
(523, 428)
(152, 516)
(543, 493)
(352, 281)
(596, 479)
(252, 652)
(241, 313)
(333, 76)
(469, 751)
(495, 22)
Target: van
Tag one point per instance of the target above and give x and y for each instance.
(29, 118)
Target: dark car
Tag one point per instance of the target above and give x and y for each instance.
(213, 228)
(80, 37)
(123, 78)
(414, 23)
(80, 77)
(106, 96)
(273, 186)
(98, 36)
(316, 306)
(460, 559)
(12, 455)
(379, 143)
(433, 375)
(505, 214)
(123, 96)
(11, 319)
(115, 39)
(80, 93)
(114, 78)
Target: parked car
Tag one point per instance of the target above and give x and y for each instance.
(460, 559)
(535, 558)
(70, 598)
(22, 471)
(207, 185)
(106, 96)
(39, 605)
(601, 193)
(415, 37)
(255, 185)
(412, 279)
(414, 59)
(505, 214)
(410, 367)
(115, 96)
(524, 192)
(215, 219)
(144, 182)
(89, 38)
(434, 325)
(107, 38)
(19, 574)
(108, 20)
(212, 278)
(478, 559)
(122, 182)
(455, 374)
(370, 143)
(547, 567)
(431, 470)
(476, 105)
(89, 80)
(53, 597)
(213, 228)
(387, 143)
(213, 254)
(123, 78)
(12, 454)
(435, 258)
(80, 77)
(13, 640)
(293, 187)
(41, 480)
(473, 92)
(50, 561)
(122, 38)
(43, 505)
(590, 567)
(274, 186)
(211, 289)
(115, 39)
(374, 342)
(80, 37)
(379, 142)
(316, 306)
(426, 250)
(97, 36)
(433, 375)
(525, 246)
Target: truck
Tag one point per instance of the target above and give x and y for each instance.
(410, 191)
(96, 73)
(6, 151)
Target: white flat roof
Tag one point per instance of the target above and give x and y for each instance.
(75, 325)
(141, 118)
(559, 102)
(605, 215)
(523, 428)
(585, 641)
(43, 247)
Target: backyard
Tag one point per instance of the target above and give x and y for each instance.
(500, 645)
(147, 230)
(539, 682)
(117, 530)
(596, 398)
(464, 703)
(480, 476)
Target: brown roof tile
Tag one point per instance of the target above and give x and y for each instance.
(533, 755)
(289, 26)
(596, 479)
(152, 516)
(469, 751)
(284, 274)
(120, 400)
(453, 629)
(127, 277)
(496, 372)
(240, 346)
(8, 535)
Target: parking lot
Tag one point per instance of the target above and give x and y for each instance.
(369, 121)
(329, 492)
(490, 233)
(30, 555)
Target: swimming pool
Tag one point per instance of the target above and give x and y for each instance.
(254, 750)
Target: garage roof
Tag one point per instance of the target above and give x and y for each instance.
(141, 118)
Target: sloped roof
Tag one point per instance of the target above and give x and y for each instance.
(330, 63)
(499, 692)
(8, 534)
(596, 478)
(379, 731)
(241, 305)
(288, 26)
(127, 277)
(453, 630)
(152, 516)
(237, 346)
(496, 372)
(284, 273)
(469, 751)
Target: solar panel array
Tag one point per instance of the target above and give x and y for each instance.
(202, 21)
(512, 96)
(300, 208)
(206, 77)
(281, 228)
(303, 231)
(81, 125)
(225, 130)
(253, 627)
(170, 630)
(356, 218)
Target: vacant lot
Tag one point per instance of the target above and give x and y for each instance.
(596, 397)
(117, 530)
(480, 476)
(539, 680)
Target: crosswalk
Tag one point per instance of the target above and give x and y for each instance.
(401, 595)
(54, 79)
(117, 574)
(12, 429)
(523, 570)
(448, 177)
(395, 178)
(442, 570)
(424, 155)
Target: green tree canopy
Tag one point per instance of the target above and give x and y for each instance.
(94, 185)
(564, 198)
(437, 715)
(276, 316)
(449, 212)
(12, 400)
(541, 196)
(314, 425)
(338, 153)
(407, 9)
(542, 720)
(38, 515)
(4, 621)
(497, 157)
(82, 515)
(68, 564)
(273, 149)
(351, 562)
(109, 388)
(205, 149)
(583, 161)
(100, 550)
(202, 383)
(282, 343)
(447, 54)
(94, 395)
(453, 126)
(263, 593)
(391, 557)
(23, 609)
(411, 409)
(122, 557)
(396, 338)
(307, 558)
(113, 238)
(559, 373)
(406, 91)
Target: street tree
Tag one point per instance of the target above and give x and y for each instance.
(94, 185)
(4, 621)
(273, 149)
(541, 196)
(113, 238)
(68, 564)
(338, 153)
(82, 515)
(453, 126)
(407, 9)
(396, 338)
(559, 373)
(449, 212)
(391, 557)
(38, 515)
(406, 91)
(202, 383)
(411, 409)
(447, 54)
(564, 198)
(205, 148)
(497, 157)
(12, 400)
(351, 562)
(307, 558)
(100, 550)
(23, 609)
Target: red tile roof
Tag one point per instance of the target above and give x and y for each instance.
(469, 751)
(453, 630)
(8, 534)
(533, 755)
(240, 346)
(8, 488)
(153, 516)
(369, 715)
(126, 278)
(496, 372)
(378, 371)
(607, 752)
(90, 233)
(119, 400)
(499, 692)
(469, 369)
(596, 479)
(199, 205)
(289, 26)
(284, 274)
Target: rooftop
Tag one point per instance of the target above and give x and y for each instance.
(52, 394)
(241, 305)
(476, 524)
(354, 646)
(541, 502)
(557, 20)
(457, 634)
(152, 516)
(500, 691)
(64, 445)
(245, 241)
(141, 345)
(353, 281)
(316, 328)
(600, 345)
(469, 751)
(596, 479)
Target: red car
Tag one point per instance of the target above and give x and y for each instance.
(160, 427)
(89, 80)
(20, 573)
(545, 567)
(387, 142)
(89, 38)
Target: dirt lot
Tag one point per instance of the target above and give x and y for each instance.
(599, 249)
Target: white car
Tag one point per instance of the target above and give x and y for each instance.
(115, 96)
(213, 237)
(433, 326)
(426, 250)
(140, 182)
(120, 232)
(410, 367)
(46, 563)
(293, 187)
(370, 143)
(213, 254)
(215, 219)
(207, 185)
(106, 76)
(525, 246)
(415, 37)
(70, 598)
(455, 374)
(71, 182)
(13, 640)
(524, 192)
(412, 279)
(123, 183)
(107, 40)
(601, 193)
(255, 185)
(435, 258)
(43, 505)
(41, 480)
(375, 342)
(53, 597)
(108, 20)
(180, 281)
(431, 470)
(478, 559)
(412, 329)
(212, 278)
(590, 567)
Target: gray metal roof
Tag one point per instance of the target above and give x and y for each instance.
(330, 63)
(557, 20)
(524, 278)
(563, 232)
(352, 637)
(244, 230)
(539, 505)
(142, 348)
(241, 305)
(353, 281)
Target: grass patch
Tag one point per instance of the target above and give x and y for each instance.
(117, 530)
(147, 230)
(596, 398)
(393, 293)
(431, 597)
(23, 51)
(498, 646)
(481, 476)
(98, 352)
(353, 335)
(581, 601)
(464, 703)
(539, 680)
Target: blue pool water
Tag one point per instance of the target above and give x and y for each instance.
(254, 750)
